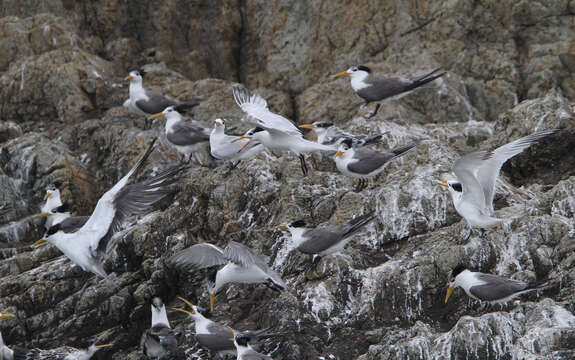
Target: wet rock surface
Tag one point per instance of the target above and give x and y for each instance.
(509, 73)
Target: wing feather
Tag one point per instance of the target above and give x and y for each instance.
(199, 256)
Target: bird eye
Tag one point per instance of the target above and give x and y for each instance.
(353, 68)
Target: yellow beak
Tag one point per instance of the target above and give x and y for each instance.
(449, 292)
(444, 183)
(43, 215)
(339, 153)
(103, 346)
(158, 115)
(41, 241)
(307, 126)
(246, 144)
(183, 310)
(47, 196)
(129, 77)
(344, 73)
(282, 227)
(212, 301)
(188, 302)
(6, 316)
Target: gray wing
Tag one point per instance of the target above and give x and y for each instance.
(496, 287)
(384, 87)
(320, 239)
(368, 160)
(73, 223)
(156, 103)
(159, 335)
(199, 256)
(253, 355)
(218, 339)
(137, 198)
(242, 255)
(186, 133)
(466, 169)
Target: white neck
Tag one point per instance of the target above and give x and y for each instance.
(160, 316)
(242, 349)
(296, 235)
(53, 201)
(136, 89)
(222, 277)
(171, 120)
(358, 80)
(201, 323)
(466, 279)
(218, 130)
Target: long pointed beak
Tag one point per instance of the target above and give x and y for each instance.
(129, 77)
(42, 215)
(188, 302)
(233, 331)
(158, 115)
(307, 126)
(6, 316)
(41, 241)
(245, 145)
(339, 153)
(444, 183)
(183, 310)
(449, 292)
(103, 346)
(47, 196)
(212, 301)
(343, 73)
(282, 227)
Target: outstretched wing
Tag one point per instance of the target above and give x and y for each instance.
(240, 254)
(465, 169)
(199, 256)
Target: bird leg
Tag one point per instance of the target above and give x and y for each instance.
(374, 112)
(303, 164)
(361, 184)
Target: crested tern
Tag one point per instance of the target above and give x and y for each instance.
(363, 162)
(226, 147)
(5, 352)
(145, 102)
(329, 134)
(187, 136)
(159, 340)
(322, 241)
(245, 352)
(476, 173)
(60, 353)
(274, 131)
(487, 287)
(53, 209)
(216, 337)
(241, 265)
(87, 245)
(373, 88)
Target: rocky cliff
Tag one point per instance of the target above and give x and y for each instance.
(510, 71)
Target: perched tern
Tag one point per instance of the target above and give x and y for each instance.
(144, 102)
(329, 134)
(325, 240)
(53, 209)
(186, 135)
(487, 287)
(373, 88)
(242, 343)
(60, 353)
(87, 246)
(363, 162)
(5, 352)
(274, 131)
(159, 340)
(216, 337)
(476, 174)
(241, 265)
(226, 147)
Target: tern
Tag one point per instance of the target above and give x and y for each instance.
(241, 265)
(159, 340)
(53, 209)
(226, 147)
(187, 136)
(245, 352)
(373, 88)
(87, 245)
(329, 134)
(145, 102)
(216, 337)
(486, 287)
(476, 173)
(363, 162)
(5, 352)
(274, 131)
(327, 240)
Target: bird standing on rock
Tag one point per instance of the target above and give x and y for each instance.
(373, 88)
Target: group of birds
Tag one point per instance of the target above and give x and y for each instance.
(84, 239)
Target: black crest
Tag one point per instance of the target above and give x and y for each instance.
(242, 339)
(258, 129)
(364, 68)
(298, 223)
(324, 124)
(457, 187)
(457, 270)
(53, 229)
(57, 184)
(348, 142)
(141, 72)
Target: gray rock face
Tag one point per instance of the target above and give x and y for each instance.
(509, 73)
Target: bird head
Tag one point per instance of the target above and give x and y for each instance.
(169, 113)
(355, 72)
(135, 76)
(219, 123)
(453, 185)
(319, 127)
(53, 233)
(453, 276)
(344, 146)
